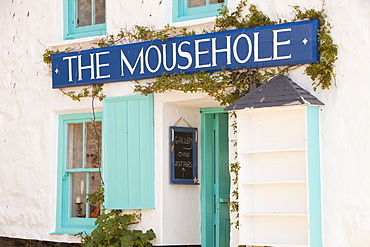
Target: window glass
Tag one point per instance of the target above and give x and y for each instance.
(79, 205)
(99, 12)
(93, 144)
(84, 138)
(216, 1)
(78, 194)
(74, 146)
(84, 13)
(196, 3)
(94, 182)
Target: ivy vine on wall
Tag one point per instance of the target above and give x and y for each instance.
(227, 86)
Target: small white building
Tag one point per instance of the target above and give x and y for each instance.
(304, 176)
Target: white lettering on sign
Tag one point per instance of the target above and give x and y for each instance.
(186, 55)
(165, 57)
(248, 48)
(198, 53)
(159, 59)
(183, 140)
(235, 48)
(276, 43)
(204, 52)
(69, 66)
(125, 61)
(98, 65)
(256, 50)
(215, 51)
(187, 164)
(183, 154)
(90, 67)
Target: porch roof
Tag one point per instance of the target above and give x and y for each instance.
(279, 91)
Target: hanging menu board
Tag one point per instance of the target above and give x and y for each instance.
(183, 155)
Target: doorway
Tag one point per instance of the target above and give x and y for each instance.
(215, 190)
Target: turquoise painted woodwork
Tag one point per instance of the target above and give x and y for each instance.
(64, 223)
(128, 152)
(180, 11)
(207, 205)
(215, 182)
(70, 29)
(314, 175)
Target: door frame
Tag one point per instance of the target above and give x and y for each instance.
(207, 206)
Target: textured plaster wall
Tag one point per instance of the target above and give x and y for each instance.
(28, 123)
(345, 132)
(29, 110)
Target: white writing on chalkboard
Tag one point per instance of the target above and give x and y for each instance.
(183, 148)
(183, 154)
(183, 140)
(188, 164)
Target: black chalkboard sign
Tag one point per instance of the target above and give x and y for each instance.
(183, 155)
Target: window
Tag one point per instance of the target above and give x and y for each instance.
(128, 165)
(79, 173)
(84, 18)
(195, 9)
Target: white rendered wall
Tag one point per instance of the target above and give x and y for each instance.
(29, 110)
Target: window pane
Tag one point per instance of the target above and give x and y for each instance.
(93, 144)
(78, 194)
(94, 182)
(83, 13)
(74, 145)
(216, 1)
(99, 16)
(196, 3)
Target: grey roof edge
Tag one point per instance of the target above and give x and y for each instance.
(249, 101)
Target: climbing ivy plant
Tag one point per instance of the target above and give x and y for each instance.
(234, 169)
(228, 86)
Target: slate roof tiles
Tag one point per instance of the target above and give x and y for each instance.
(279, 91)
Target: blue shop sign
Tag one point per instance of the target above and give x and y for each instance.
(268, 46)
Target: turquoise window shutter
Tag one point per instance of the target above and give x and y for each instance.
(128, 152)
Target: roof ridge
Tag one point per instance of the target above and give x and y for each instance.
(296, 91)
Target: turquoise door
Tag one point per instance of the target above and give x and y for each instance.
(215, 183)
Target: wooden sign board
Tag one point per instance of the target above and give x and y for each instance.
(258, 47)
